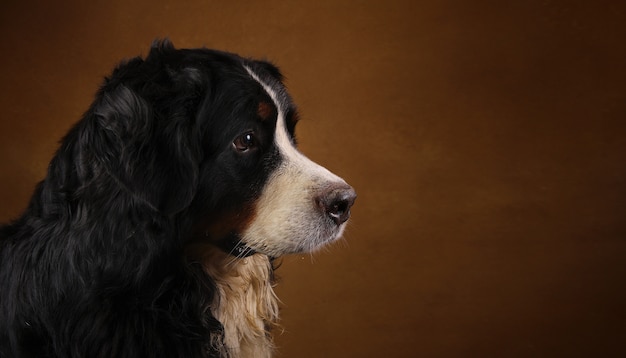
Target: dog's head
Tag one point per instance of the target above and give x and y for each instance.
(210, 136)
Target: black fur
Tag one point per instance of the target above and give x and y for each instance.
(95, 267)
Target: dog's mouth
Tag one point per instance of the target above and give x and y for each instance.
(233, 245)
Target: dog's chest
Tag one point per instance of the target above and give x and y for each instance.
(245, 304)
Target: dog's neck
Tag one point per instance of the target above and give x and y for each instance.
(245, 303)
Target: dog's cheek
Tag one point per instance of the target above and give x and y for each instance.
(216, 226)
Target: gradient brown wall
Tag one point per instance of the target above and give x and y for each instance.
(486, 140)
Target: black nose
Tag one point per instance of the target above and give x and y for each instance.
(336, 202)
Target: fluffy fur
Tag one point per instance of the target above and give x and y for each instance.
(154, 232)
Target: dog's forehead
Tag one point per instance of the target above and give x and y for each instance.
(276, 92)
(281, 107)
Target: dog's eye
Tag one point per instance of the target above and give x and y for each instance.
(245, 142)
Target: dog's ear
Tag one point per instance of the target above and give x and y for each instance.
(147, 143)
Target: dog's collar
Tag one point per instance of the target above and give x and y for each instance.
(231, 244)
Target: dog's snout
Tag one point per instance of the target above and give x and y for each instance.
(336, 202)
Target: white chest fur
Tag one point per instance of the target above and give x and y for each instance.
(245, 304)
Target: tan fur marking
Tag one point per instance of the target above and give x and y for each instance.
(265, 110)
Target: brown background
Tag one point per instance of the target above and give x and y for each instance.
(486, 140)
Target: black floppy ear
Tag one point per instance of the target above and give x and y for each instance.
(149, 145)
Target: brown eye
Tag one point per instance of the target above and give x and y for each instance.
(245, 142)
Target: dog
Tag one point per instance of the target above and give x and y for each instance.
(155, 230)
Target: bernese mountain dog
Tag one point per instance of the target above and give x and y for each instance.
(155, 230)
